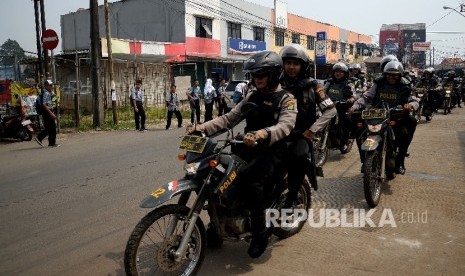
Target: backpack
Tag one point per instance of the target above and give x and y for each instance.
(38, 104)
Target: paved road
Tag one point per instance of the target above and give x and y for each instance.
(70, 210)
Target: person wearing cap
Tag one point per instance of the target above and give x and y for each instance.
(48, 117)
(137, 95)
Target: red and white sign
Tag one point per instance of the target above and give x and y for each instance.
(421, 46)
(50, 39)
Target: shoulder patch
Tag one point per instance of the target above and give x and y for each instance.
(290, 105)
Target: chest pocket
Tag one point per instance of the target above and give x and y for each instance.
(268, 110)
(389, 95)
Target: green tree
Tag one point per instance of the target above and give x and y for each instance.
(9, 50)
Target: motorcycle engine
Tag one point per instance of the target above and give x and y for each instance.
(234, 226)
(234, 221)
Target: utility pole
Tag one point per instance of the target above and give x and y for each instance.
(110, 64)
(39, 45)
(94, 50)
(433, 56)
(42, 19)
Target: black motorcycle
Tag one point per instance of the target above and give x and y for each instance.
(425, 109)
(16, 127)
(447, 100)
(380, 149)
(331, 137)
(172, 238)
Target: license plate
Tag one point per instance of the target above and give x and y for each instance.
(374, 114)
(193, 143)
(26, 122)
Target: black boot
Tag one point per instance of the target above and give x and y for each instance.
(400, 167)
(260, 236)
(258, 244)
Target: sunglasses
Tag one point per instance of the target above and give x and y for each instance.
(259, 76)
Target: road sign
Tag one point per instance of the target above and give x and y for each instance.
(421, 46)
(50, 39)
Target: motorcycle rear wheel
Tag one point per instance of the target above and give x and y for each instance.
(304, 201)
(372, 183)
(349, 144)
(149, 250)
(24, 134)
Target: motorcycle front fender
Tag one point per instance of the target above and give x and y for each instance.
(371, 143)
(167, 192)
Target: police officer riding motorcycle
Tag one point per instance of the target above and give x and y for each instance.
(340, 90)
(392, 89)
(359, 80)
(427, 90)
(264, 138)
(452, 85)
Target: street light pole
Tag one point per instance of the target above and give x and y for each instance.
(449, 8)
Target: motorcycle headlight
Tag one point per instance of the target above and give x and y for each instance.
(374, 128)
(420, 95)
(192, 168)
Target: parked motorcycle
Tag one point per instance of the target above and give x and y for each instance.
(172, 238)
(16, 127)
(380, 149)
(331, 136)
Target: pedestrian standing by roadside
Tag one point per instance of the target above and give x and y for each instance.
(193, 94)
(137, 95)
(209, 96)
(48, 117)
(172, 104)
(221, 99)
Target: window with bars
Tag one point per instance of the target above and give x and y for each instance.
(234, 30)
(259, 33)
(343, 48)
(296, 38)
(310, 42)
(279, 38)
(333, 46)
(203, 27)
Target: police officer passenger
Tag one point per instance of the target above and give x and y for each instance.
(271, 123)
(310, 95)
(391, 88)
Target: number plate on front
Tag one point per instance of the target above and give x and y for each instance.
(374, 114)
(193, 143)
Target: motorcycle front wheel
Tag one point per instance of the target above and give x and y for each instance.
(151, 246)
(419, 112)
(321, 151)
(372, 178)
(447, 106)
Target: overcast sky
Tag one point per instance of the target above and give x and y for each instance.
(362, 16)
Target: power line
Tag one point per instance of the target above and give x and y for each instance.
(441, 18)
